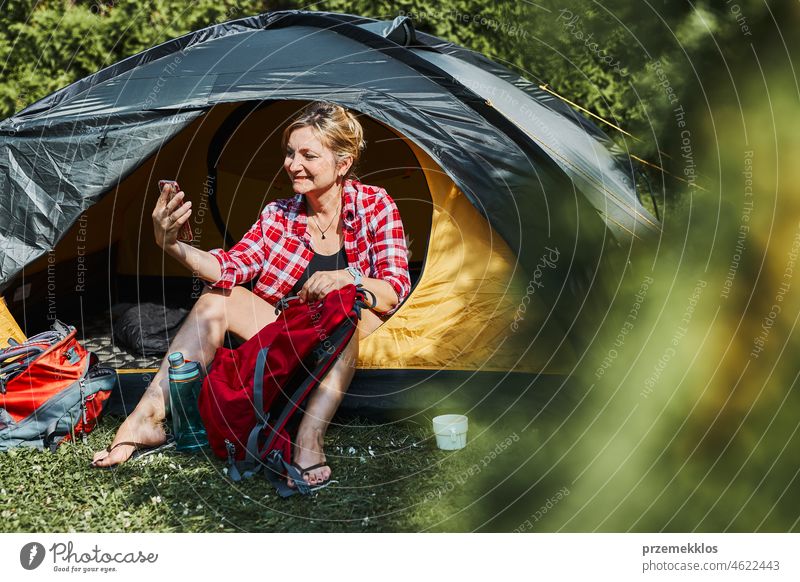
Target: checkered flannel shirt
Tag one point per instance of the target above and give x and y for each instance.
(277, 248)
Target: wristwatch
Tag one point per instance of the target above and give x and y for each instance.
(357, 275)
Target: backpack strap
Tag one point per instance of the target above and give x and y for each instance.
(23, 354)
(23, 351)
(361, 303)
(61, 328)
(252, 461)
(251, 454)
(51, 439)
(276, 467)
(10, 371)
(283, 303)
(53, 434)
(275, 464)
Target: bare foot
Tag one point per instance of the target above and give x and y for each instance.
(144, 431)
(307, 453)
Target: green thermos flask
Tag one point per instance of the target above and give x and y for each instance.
(185, 382)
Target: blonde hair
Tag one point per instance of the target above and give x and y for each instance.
(337, 128)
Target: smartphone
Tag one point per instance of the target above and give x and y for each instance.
(185, 233)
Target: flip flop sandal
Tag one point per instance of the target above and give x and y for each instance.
(139, 450)
(302, 471)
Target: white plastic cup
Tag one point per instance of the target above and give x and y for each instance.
(450, 431)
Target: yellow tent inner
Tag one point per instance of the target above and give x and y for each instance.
(460, 314)
(8, 326)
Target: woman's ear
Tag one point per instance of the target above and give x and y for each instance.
(344, 166)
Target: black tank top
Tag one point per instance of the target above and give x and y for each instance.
(320, 262)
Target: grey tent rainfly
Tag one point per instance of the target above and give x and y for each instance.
(463, 144)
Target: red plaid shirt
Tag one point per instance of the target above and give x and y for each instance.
(277, 248)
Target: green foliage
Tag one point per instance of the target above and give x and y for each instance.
(47, 45)
(596, 55)
(599, 56)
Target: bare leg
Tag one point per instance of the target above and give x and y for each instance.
(238, 311)
(325, 401)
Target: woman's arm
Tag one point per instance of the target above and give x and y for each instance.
(168, 217)
(201, 263)
(223, 269)
(389, 253)
(384, 293)
(323, 282)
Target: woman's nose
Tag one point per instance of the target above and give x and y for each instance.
(293, 163)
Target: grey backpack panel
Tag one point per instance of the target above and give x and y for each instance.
(49, 424)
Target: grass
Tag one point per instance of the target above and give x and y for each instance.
(389, 479)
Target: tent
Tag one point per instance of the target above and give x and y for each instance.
(514, 205)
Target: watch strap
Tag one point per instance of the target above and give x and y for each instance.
(357, 276)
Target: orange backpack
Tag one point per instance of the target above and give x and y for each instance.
(51, 389)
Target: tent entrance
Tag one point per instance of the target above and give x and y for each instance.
(471, 308)
(109, 257)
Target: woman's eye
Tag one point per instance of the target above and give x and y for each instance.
(311, 156)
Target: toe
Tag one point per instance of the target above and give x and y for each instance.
(318, 476)
(101, 462)
(113, 456)
(100, 458)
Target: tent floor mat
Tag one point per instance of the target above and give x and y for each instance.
(95, 334)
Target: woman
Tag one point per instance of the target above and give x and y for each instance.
(333, 232)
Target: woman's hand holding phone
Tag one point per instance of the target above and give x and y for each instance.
(171, 215)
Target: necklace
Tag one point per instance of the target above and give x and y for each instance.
(321, 231)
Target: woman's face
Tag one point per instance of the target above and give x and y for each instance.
(312, 167)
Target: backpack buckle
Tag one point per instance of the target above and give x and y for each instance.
(283, 303)
(71, 355)
(233, 470)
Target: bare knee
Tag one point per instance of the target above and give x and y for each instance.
(210, 306)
